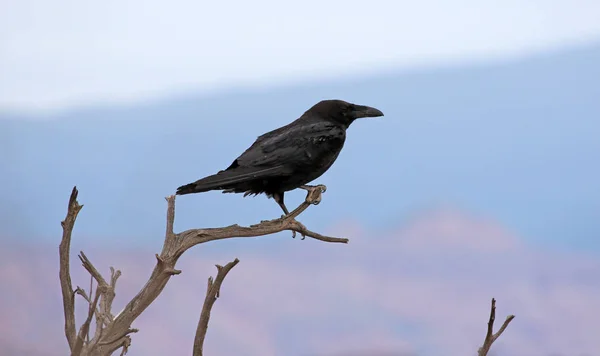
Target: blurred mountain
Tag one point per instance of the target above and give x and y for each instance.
(514, 140)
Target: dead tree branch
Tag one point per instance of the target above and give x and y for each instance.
(212, 293)
(85, 328)
(112, 332)
(490, 337)
(65, 275)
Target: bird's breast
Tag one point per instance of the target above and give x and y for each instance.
(320, 155)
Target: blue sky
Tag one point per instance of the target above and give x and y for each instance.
(514, 141)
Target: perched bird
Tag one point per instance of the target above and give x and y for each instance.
(288, 157)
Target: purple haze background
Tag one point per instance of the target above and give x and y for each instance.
(423, 289)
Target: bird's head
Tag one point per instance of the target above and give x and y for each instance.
(343, 112)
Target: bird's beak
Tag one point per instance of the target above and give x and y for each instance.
(366, 111)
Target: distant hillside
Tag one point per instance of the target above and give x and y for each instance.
(515, 140)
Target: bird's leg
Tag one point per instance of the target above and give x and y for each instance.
(278, 197)
(313, 197)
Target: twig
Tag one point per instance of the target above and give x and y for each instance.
(129, 331)
(125, 345)
(107, 299)
(212, 293)
(91, 269)
(120, 342)
(64, 274)
(87, 335)
(170, 218)
(82, 293)
(85, 328)
(107, 290)
(266, 227)
(490, 337)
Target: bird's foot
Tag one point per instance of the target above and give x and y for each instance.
(294, 231)
(308, 188)
(314, 193)
(313, 196)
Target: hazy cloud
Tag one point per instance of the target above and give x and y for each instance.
(62, 53)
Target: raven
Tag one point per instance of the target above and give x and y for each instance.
(288, 157)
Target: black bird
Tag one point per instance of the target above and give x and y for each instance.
(288, 157)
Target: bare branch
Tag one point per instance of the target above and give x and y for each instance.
(112, 333)
(490, 337)
(176, 244)
(123, 341)
(127, 332)
(114, 276)
(82, 293)
(108, 297)
(266, 227)
(91, 269)
(170, 216)
(85, 328)
(64, 273)
(87, 336)
(125, 345)
(107, 291)
(212, 293)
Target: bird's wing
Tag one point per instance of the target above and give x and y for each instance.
(294, 143)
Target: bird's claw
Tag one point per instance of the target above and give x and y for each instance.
(294, 235)
(300, 228)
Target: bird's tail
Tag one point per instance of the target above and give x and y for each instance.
(224, 179)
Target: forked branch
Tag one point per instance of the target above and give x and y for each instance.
(212, 293)
(490, 337)
(112, 333)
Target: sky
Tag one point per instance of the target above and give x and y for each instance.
(492, 165)
(514, 140)
(63, 53)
